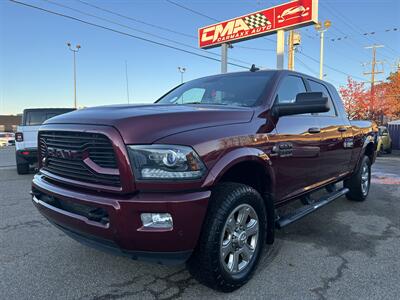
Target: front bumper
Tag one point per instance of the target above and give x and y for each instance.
(118, 227)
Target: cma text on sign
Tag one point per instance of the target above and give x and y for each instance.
(289, 15)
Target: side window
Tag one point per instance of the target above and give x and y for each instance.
(289, 88)
(318, 87)
(192, 95)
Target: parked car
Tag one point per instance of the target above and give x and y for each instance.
(384, 140)
(7, 139)
(200, 175)
(27, 133)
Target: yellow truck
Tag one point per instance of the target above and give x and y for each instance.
(384, 141)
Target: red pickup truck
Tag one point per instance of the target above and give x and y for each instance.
(202, 175)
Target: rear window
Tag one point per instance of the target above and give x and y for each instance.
(318, 87)
(383, 131)
(34, 118)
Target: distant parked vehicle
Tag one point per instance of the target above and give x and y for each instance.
(27, 135)
(7, 139)
(384, 140)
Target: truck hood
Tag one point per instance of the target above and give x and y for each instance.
(148, 123)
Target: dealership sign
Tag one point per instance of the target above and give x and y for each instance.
(285, 16)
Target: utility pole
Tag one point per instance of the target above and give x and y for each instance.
(293, 41)
(321, 28)
(374, 72)
(127, 81)
(182, 70)
(373, 63)
(290, 51)
(77, 47)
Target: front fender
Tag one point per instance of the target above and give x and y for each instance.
(237, 156)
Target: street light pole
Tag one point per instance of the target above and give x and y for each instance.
(75, 50)
(321, 29)
(182, 70)
(321, 55)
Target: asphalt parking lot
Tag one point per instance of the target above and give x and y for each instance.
(346, 250)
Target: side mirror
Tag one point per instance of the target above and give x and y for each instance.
(311, 102)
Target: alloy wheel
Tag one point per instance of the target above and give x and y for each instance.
(239, 239)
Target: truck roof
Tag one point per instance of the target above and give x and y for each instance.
(282, 72)
(48, 109)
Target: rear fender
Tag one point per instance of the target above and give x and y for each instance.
(370, 139)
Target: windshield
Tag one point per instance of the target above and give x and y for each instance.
(234, 89)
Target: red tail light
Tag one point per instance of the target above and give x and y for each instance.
(19, 137)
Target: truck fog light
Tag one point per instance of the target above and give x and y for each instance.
(157, 220)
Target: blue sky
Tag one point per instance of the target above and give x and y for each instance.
(36, 65)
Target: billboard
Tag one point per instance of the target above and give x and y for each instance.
(285, 16)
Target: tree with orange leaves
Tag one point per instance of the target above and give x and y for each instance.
(355, 99)
(388, 94)
(380, 104)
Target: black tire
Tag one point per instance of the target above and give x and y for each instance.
(355, 182)
(206, 264)
(23, 168)
(389, 150)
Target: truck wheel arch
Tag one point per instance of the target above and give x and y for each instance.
(251, 160)
(369, 148)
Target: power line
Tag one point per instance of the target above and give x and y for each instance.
(342, 33)
(136, 20)
(306, 66)
(373, 33)
(192, 10)
(137, 30)
(329, 67)
(160, 27)
(121, 32)
(254, 48)
(344, 55)
(356, 28)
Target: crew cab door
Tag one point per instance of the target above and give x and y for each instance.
(334, 156)
(295, 154)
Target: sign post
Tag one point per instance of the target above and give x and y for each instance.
(280, 49)
(287, 16)
(224, 58)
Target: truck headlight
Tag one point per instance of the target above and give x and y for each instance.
(165, 162)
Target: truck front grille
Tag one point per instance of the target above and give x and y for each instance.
(65, 152)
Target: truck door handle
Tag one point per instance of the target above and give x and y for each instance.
(314, 130)
(342, 129)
